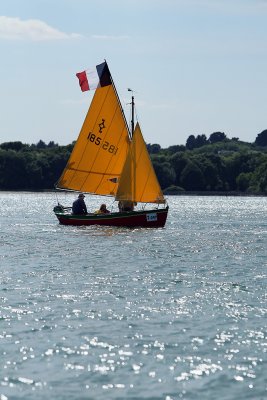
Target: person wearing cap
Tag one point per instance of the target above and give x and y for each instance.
(79, 206)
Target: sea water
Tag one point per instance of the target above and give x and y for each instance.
(117, 313)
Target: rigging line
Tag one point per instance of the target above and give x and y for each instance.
(122, 111)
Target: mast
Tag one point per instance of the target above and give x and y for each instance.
(132, 120)
(133, 149)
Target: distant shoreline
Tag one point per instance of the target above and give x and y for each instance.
(223, 194)
(213, 193)
(182, 193)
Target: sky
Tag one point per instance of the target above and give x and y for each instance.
(195, 66)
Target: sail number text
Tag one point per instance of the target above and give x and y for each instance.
(105, 145)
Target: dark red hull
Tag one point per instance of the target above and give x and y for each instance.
(147, 219)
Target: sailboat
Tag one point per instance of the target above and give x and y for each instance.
(111, 159)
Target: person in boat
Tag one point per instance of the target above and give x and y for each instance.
(102, 210)
(126, 205)
(79, 206)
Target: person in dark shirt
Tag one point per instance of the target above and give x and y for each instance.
(79, 206)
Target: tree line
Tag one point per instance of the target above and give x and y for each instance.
(214, 164)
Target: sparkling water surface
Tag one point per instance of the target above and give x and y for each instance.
(117, 313)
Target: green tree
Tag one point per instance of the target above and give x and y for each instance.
(41, 145)
(178, 161)
(165, 173)
(17, 146)
(175, 149)
(192, 177)
(13, 170)
(260, 177)
(243, 181)
(209, 171)
(217, 137)
(153, 148)
(191, 142)
(261, 139)
(201, 140)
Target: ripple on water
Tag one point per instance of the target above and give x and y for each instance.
(118, 313)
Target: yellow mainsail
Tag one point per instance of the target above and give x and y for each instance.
(138, 181)
(99, 154)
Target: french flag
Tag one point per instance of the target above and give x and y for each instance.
(91, 79)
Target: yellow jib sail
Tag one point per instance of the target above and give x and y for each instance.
(138, 182)
(99, 154)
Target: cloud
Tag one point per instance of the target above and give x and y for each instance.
(32, 29)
